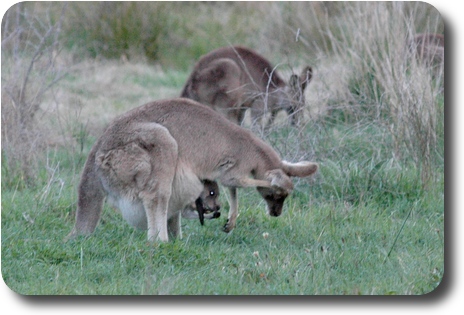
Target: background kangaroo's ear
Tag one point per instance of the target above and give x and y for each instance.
(279, 179)
(300, 169)
(300, 83)
(293, 82)
(305, 77)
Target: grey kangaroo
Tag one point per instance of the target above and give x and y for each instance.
(151, 162)
(232, 79)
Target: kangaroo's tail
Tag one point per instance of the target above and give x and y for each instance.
(91, 196)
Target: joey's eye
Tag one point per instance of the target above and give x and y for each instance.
(211, 193)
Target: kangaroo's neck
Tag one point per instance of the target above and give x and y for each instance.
(264, 157)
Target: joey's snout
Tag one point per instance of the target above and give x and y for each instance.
(213, 212)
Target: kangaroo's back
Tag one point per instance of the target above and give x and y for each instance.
(256, 68)
(203, 135)
(184, 118)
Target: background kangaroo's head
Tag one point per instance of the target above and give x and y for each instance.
(295, 100)
(288, 96)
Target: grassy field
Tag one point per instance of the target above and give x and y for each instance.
(370, 222)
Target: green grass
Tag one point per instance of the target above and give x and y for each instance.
(324, 242)
(365, 224)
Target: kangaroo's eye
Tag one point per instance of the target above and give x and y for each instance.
(211, 193)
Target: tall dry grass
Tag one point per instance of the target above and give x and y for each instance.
(30, 46)
(379, 80)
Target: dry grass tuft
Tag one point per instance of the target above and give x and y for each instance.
(30, 47)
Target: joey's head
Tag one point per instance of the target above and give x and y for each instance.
(210, 198)
(208, 202)
(207, 205)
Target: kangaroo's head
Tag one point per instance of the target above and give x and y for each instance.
(280, 184)
(290, 97)
(274, 198)
(207, 205)
(210, 198)
(295, 99)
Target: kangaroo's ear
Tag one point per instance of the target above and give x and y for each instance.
(279, 179)
(300, 169)
(305, 77)
(293, 82)
(300, 83)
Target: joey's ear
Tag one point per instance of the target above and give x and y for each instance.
(279, 179)
(300, 169)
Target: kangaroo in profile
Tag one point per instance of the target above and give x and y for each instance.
(233, 79)
(150, 163)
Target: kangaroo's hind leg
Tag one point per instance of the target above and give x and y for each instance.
(156, 188)
(141, 170)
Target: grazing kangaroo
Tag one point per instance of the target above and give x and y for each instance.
(150, 163)
(233, 79)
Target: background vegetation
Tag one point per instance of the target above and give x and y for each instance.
(371, 221)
